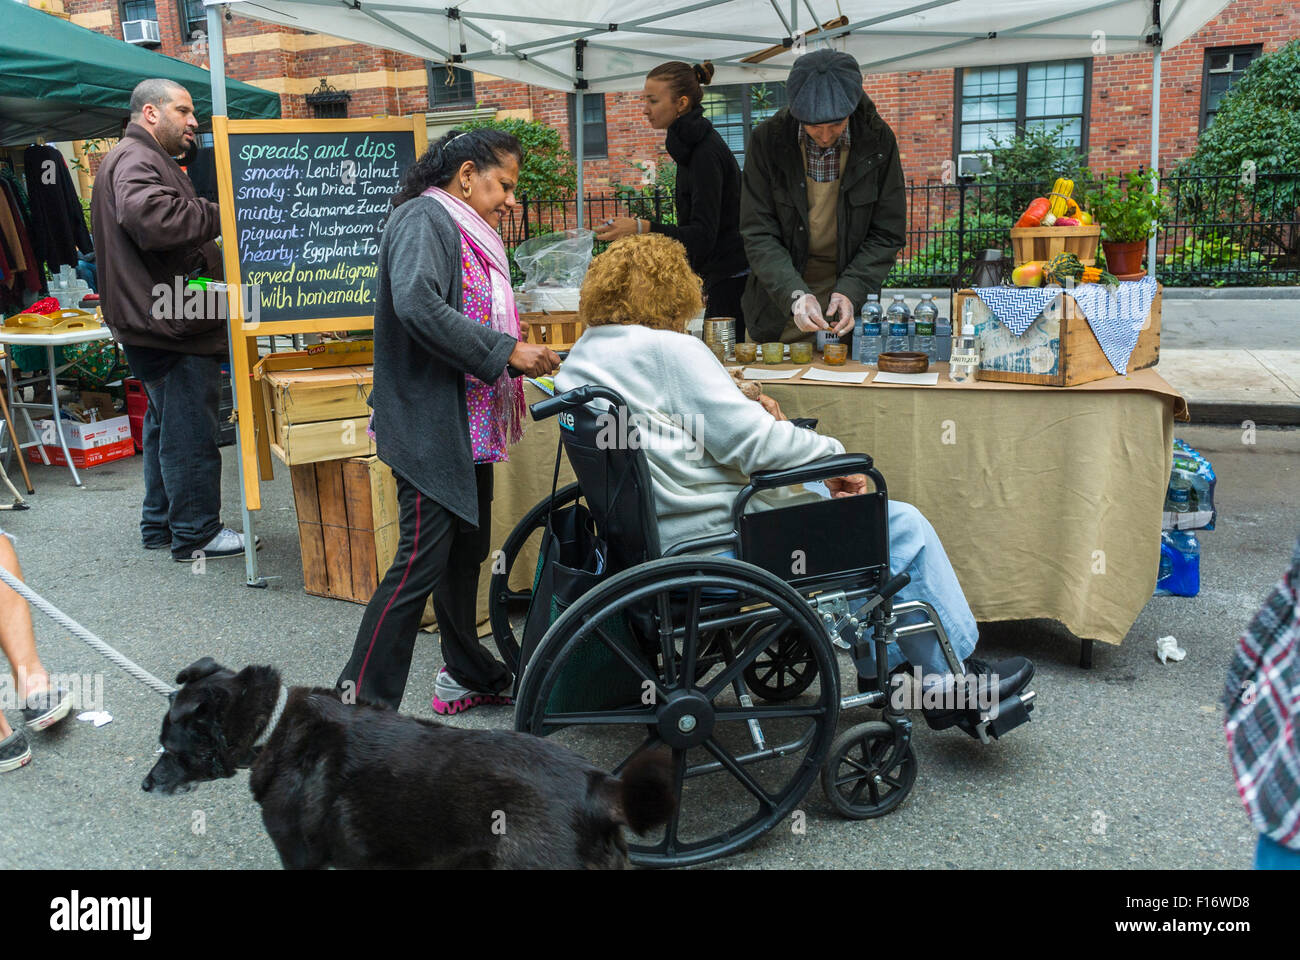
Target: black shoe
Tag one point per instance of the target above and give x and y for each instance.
(160, 545)
(46, 708)
(1013, 675)
(14, 751)
(869, 684)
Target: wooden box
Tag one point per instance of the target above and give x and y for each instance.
(559, 331)
(320, 414)
(1043, 243)
(1058, 350)
(347, 525)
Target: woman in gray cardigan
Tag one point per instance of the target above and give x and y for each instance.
(447, 402)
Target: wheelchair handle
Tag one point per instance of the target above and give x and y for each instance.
(543, 409)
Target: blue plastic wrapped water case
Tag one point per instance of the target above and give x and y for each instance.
(1180, 564)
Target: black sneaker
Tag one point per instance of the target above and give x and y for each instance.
(227, 543)
(15, 751)
(46, 708)
(1013, 675)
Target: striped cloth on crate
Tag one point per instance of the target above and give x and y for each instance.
(1116, 318)
(1262, 697)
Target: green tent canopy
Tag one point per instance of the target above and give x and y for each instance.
(64, 82)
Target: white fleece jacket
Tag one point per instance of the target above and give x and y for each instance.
(701, 436)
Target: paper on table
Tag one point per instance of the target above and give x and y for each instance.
(924, 379)
(758, 373)
(836, 376)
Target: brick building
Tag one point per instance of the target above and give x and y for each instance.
(937, 114)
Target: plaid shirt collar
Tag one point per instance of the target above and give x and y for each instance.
(823, 162)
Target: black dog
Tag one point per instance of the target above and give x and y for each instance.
(358, 785)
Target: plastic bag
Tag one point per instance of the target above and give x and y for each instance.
(555, 259)
(1194, 471)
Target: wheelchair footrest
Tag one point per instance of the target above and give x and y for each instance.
(1012, 712)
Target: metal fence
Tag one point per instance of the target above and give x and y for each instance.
(1220, 231)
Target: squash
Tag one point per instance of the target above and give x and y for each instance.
(1034, 213)
(1066, 222)
(1064, 265)
(1090, 275)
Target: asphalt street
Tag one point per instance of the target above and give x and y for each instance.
(1124, 765)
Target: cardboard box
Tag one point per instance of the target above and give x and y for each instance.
(1059, 349)
(90, 444)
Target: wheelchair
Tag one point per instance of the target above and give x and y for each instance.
(732, 664)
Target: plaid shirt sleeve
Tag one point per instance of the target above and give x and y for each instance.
(824, 162)
(1262, 700)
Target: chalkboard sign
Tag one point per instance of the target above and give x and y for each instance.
(308, 212)
(303, 204)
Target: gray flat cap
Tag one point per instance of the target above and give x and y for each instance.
(824, 86)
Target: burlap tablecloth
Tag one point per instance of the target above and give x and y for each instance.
(1047, 499)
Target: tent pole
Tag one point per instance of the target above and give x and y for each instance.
(578, 138)
(1155, 141)
(217, 61)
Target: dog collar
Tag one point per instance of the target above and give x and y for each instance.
(275, 716)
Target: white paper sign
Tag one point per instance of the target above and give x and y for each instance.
(918, 379)
(836, 376)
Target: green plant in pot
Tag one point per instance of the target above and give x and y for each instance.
(1129, 212)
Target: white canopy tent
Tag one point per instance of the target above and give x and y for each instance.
(610, 45)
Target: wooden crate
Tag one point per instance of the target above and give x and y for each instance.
(347, 525)
(1043, 243)
(317, 415)
(1061, 343)
(559, 331)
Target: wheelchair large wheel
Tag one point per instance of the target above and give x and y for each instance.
(739, 768)
(868, 774)
(505, 599)
(785, 669)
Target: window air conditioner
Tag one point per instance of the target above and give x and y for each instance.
(973, 164)
(140, 31)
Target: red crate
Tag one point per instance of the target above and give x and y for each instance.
(137, 402)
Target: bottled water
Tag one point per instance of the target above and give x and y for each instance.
(927, 315)
(1180, 564)
(897, 317)
(866, 341)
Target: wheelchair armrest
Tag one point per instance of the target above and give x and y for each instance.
(838, 466)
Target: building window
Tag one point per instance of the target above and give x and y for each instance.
(450, 87)
(140, 10)
(594, 143)
(1223, 67)
(328, 103)
(998, 102)
(193, 20)
(735, 109)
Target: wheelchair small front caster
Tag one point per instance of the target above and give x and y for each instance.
(866, 775)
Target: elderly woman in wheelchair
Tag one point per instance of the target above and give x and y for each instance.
(723, 578)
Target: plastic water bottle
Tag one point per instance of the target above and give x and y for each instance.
(1180, 556)
(897, 317)
(927, 315)
(866, 341)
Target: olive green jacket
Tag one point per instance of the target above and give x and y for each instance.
(872, 216)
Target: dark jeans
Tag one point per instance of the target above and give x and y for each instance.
(722, 299)
(437, 553)
(182, 463)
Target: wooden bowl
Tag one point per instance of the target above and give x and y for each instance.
(904, 362)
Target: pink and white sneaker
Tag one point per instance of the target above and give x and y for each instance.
(449, 697)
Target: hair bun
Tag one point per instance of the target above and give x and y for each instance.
(704, 72)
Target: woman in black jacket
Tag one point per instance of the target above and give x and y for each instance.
(708, 188)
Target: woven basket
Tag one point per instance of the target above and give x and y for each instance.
(1043, 243)
(559, 331)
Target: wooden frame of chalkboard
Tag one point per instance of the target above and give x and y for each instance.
(320, 193)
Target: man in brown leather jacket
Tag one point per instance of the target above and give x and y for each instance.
(153, 233)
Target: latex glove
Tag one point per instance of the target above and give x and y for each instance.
(842, 307)
(849, 486)
(808, 314)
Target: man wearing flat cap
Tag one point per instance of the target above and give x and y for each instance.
(823, 210)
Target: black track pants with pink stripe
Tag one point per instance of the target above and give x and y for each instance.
(441, 554)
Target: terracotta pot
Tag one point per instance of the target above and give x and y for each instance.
(1125, 259)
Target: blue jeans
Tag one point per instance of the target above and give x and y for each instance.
(1271, 855)
(914, 549)
(182, 463)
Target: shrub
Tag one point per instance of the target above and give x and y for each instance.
(548, 171)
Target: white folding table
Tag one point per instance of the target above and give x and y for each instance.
(50, 341)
